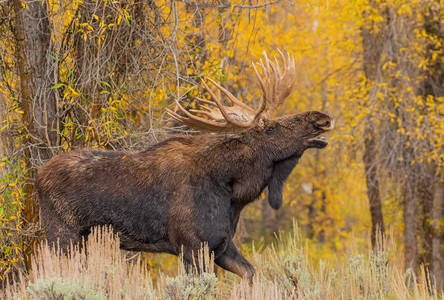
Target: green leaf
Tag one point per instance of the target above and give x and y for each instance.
(105, 83)
(56, 86)
(69, 74)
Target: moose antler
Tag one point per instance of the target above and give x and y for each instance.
(232, 119)
(283, 80)
(240, 116)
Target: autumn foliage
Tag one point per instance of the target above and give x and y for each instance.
(101, 74)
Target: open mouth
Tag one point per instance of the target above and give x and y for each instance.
(318, 142)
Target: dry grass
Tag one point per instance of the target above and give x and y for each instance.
(285, 271)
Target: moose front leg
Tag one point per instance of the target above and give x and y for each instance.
(231, 260)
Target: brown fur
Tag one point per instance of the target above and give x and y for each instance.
(176, 194)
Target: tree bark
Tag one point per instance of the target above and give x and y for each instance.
(424, 197)
(321, 236)
(374, 197)
(410, 229)
(372, 50)
(433, 85)
(312, 215)
(38, 102)
(437, 263)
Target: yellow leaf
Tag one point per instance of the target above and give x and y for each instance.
(73, 91)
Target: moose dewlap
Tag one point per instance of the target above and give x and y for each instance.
(186, 190)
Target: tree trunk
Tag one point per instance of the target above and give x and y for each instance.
(410, 228)
(40, 119)
(312, 215)
(433, 85)
(321, 236)
(437, 263)
(371, 177)
(372, 49)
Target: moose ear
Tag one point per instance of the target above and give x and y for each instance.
(281, 171)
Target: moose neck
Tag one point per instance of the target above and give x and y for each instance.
(235, 162)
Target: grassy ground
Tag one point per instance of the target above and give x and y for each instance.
(284, 271)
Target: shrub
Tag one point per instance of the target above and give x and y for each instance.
(186, 286)
(58, 288)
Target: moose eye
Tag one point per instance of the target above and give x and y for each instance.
(270, 129)
(324, 124)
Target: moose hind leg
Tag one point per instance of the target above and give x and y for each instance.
(57, 232)
(231, 260)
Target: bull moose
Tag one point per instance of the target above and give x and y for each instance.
(186, 190)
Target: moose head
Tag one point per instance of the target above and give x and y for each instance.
(283, 140)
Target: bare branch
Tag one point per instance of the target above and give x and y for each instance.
(205, 5)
